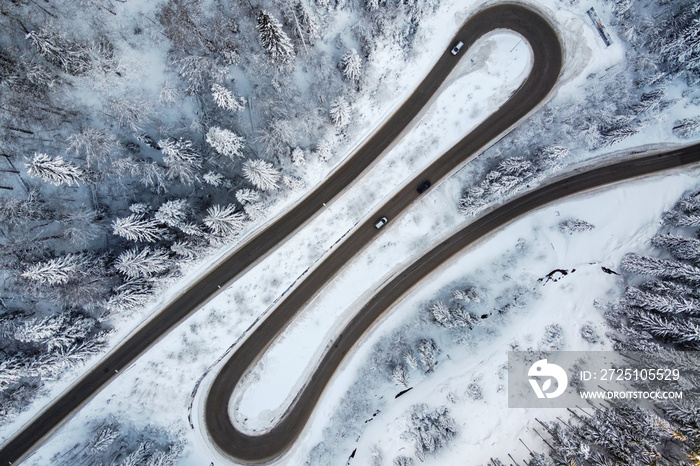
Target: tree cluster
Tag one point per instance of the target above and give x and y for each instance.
(657, 315)
(109, 441)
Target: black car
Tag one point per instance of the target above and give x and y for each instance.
(424, 186)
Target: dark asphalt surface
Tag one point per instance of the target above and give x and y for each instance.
(548, 61)
(547, 56)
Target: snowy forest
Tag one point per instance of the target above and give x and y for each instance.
(658, 315)
(136, 138)
(663, 51)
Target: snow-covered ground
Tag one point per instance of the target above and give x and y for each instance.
(402, 241)
(157, 388)
(625, 217)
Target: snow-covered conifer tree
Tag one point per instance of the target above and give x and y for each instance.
(198, 71)
(261, 174)
(661, 303)
(292, 182)
(440, 313)
(224, 221)
(340, 112)
(273, 39)
(182, 159)
(682, 219)
(57, 49)
(142, 264)
(516, 166)
(225, 98)
(324, 150)
(399, 460)
(57, 271)
(352, 66)
(134, 113)
(104, 439)
(662, 268)
(427, 351)
(616, 132)
(185, 249)
(213, 178)
(298, 157)
(132, 295)
(225, 142)
(574, 226)
(172, 213)
(302, 17)
(410, 360)
(669, 328)
(169, 94)
(431, 430)
(400, 375)
(136, 228)
(96, 144)
(277, 137)
(54, 170)
(247, 196)
(680, 247)
(255, 210)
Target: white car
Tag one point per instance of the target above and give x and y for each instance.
(457, 48)
(380, 223)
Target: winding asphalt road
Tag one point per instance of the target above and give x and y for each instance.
(547, 62)
(547, 54)
(272, 444)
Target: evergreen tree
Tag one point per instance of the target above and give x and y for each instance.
(182, 160)
(224, 221)
(273, 38)
(225, 98)
(173, 213)
(400, 375)
(660, 268)
(225, 142)
(307, 28)
(574, 226)
(278, 137)
(680, 247)
(136, 228)
(340, 112)
(682, 219)
(352, 66)
(95, 144)
(247, 196)
(58, 271)
(54, 170)
(70, 56)
(261, 174)
(298, 157)
(213, 178)
(324, 150)
(130, 296)
(294, 183)
(661, 303)
(142, 264)
(427, 351)
(431, 430)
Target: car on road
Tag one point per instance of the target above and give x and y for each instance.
(457, 47)
(424, 186)
(380, 223)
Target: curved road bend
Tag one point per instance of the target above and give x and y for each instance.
(547, 51)
(267, 446)
(547, 57)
